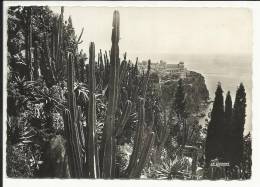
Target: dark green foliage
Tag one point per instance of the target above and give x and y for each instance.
(238, 122)
(228, 109)
(214, 146)
(229, 146)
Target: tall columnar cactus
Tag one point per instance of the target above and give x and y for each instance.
(56, 48)
(101, 61)
(124, 117)
(59, 40)
(77, 70)
(101, 69)
(82, 69)
(122, 75)
(107, 66)
(109, 139)
(92, 153)
(46, 66)
(54, 38)
(123, 69)
(146, 78)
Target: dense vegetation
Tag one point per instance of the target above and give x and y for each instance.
(72, 115)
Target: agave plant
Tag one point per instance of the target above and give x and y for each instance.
(168, 168)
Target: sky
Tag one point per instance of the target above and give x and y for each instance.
(150, 32)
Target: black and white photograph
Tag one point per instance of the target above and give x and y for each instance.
(161, 93)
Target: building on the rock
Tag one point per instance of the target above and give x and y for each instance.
(163, 68)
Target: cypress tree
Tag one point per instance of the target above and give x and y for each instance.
(214, 147)
(238, 122)
(228, 121)
(180, 100)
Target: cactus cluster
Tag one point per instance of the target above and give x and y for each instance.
(50, 51)
(100, 159)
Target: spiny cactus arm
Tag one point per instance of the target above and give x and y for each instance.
(136, 67)
(106, 58)
(77, 66)
(48, 72)
(124, 118)
(151, 125)
(67, 129)
(82, 137)
(146, 79)
(186, 132)
(144, 157)
(74, 153)
(81, 70)
(74, 136)
(70, 85)
(92, 118)
(58, 39)
(162, 138)
(138, 138)
(164, 135)
(123, 69)
(101, 62)
(81, 33)
(117, 81)
(106, 70)
(61, 30)
(53, 38)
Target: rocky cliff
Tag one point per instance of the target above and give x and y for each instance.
(195, 89)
